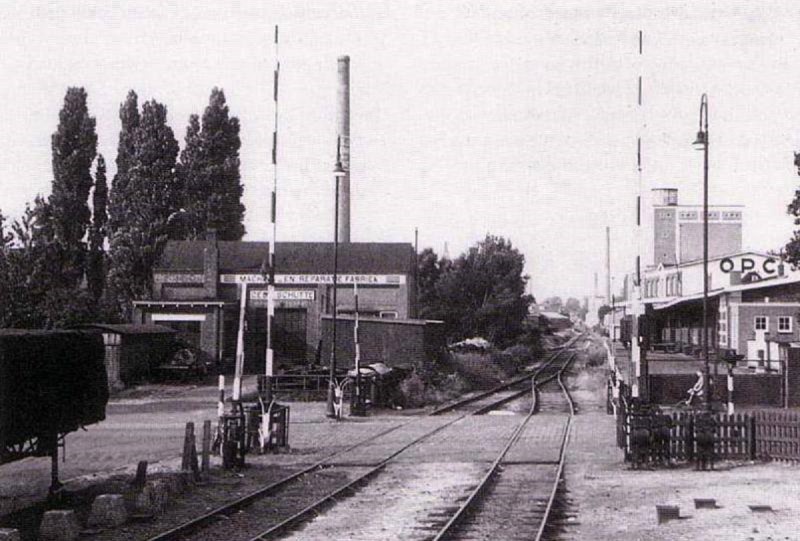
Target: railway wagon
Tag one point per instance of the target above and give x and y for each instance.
(51, 383)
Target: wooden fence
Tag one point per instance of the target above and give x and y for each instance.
(653, 436)
(777, 434)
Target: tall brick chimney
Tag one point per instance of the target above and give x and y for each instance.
(343, 132)
(211, 265)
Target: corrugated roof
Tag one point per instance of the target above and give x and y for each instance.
(294, 257)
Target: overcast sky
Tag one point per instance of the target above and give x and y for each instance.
(514, 118)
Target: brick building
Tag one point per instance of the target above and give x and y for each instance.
(678, 229)
(754, 298)
(197, 288)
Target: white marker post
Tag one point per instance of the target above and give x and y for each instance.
(237, 377)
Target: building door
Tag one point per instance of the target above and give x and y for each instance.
(255, 342)
(290, 338)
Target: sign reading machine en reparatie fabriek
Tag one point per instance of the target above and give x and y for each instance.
(313, 279)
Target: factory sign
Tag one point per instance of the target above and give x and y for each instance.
(314, 279)
(284, 295)
(177, 278)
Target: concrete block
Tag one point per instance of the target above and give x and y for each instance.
(153, 497)
(59, 525)
(108, 511)
(9, 534)
(667, 512)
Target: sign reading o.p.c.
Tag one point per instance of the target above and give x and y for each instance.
(745, 264)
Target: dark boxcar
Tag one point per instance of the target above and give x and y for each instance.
(51, 383)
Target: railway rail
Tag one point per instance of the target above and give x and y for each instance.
(477, 517)
(548, 370)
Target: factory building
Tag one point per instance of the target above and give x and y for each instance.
(197, 288)
(754, 298)
(198, 285)
(678, 229)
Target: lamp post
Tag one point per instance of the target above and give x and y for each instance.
(701, 143)
(338, 173)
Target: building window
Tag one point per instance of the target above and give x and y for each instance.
(388, 314)
(784, 324)
(762, 323)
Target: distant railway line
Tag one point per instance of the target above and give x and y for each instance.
(254, 516)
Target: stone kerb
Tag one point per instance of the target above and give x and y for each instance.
(108, 511)
(9, 534)
(59, 525)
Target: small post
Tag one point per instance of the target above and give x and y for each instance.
(55, 484)
(188, 444)
(206, 461)
(141, 475)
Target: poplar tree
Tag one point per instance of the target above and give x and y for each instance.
(74, 146)
(209, 171)
(95, 272)
(147, 200)
(129, 119)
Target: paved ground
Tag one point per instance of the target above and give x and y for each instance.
(606, 499)
(613, 502)
(148, 424)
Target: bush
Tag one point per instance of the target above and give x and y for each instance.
(412, 391)
(596, 355)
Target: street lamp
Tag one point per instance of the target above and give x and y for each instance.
(338, 173)
(701, 143)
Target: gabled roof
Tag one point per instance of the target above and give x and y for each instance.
(293, 257)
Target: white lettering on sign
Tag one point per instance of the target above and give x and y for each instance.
(172, 278)
(284, 295)
(313, 279)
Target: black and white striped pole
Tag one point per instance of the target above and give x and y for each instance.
(730, 388)
(636, 301)
(270, 278)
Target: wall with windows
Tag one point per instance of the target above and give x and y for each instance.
(771, 322)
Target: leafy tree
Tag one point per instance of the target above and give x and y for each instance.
(573, 306)
(429, 270)
(32, 297)
(129, 118)
(553, 304)
(793, 246)
(209, 171)
(149, 197)
(74, 146)
(483, 293)
(95, 271)
(603, 311)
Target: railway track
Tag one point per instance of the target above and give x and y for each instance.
(241, 519)
(516, 501)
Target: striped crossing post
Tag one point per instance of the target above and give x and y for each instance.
(730, 389)
(221, 401)
(237, 376)
(358, 408)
